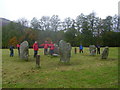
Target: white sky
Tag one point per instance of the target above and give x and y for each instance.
(15, 9)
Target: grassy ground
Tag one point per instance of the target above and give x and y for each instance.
(84, 71)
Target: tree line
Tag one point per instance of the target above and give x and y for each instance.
(85, 30)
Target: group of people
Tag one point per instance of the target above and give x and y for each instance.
(46, 45)
(81, 49)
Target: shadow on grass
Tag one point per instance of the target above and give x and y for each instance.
(64, 63)
(108, 59)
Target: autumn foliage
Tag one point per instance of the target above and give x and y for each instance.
(13, 41)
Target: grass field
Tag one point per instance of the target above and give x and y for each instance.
(84, 71)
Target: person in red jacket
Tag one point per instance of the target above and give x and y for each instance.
(51, 48)
(46, 45)
(18, 47)
(35, 47)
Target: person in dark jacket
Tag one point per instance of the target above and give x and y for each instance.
(98, 49)
(11, 51)
(35, 47)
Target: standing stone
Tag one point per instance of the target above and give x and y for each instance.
(65, 51)
(24, 50)
(69, 49)
(92, 49)
(75, 50)
(56, 49)
(38, 60)
(105, 53)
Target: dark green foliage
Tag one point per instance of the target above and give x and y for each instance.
(70, 36)
(111, 38)
(85, 30)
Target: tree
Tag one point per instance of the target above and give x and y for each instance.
(111, 38)
(85, 30)
(31, 35)
(67, 23)
(35, 24)
(87, 34)
(54, 23)
(91, 20)
(107, 24)
(71, 34)
(13, 41)
(45, 23)
(23, 21)
(116, 23)
(60, 36)
(9, 31)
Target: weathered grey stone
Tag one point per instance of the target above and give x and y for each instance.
(105, 53)
(56, 49)
(75, 49)
(69, 49)
(65, 51)
(24, 52)
(38, 60)
(92, 49)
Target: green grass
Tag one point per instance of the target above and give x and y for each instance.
(83, 71)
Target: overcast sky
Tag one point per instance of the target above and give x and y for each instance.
(15, 9)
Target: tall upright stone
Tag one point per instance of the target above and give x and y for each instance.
(65, 51)
(24, 50)
(38, 60)
(105, 53)
(92, 49)
(69, 49)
